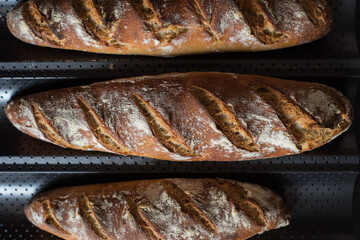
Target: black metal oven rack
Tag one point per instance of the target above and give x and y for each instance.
(321, 187)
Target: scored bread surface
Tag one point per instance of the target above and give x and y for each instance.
(168, 209)
(169, 27)
(187, 116)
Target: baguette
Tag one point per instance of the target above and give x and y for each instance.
(208, 209)
(187, 116)
(169, 27)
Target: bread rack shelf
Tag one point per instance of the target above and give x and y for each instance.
(321, 187)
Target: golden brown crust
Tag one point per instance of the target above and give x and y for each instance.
(107, 139)
(159, 210)
(260, 22)
(225, 119)
(86, 212)
(187, 205)
(38, 24)
(162, 130)
(242, 201)
(171, 27)
(187, 116)
(94, 23)
(301, 125)
(141, 220)
(46, 128)
(50, 219)
(315, 11)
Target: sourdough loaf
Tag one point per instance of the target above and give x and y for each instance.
(187, 116)
(187, 209)
(169, 27)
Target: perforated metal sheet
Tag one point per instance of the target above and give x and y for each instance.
(336, 54)
(18, 144)
(320, 203)
(318, 185)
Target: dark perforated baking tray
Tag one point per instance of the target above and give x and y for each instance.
(339, 43)
(321, 186)
(318, 186)
(320, 202)
(335, 55)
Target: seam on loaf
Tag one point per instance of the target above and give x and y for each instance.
(259, 22)
(47, 129)
(302, 126)
(162, 130)
(95, 23)
(188, 205)
(161, 31)
(144, 223)
(50, 218)
(314, 12)
(204, 21)
(86, 211)
(225, 119)
(39, 25)
(238, 196)
(102, 133)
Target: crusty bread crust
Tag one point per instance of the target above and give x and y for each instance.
(167, 209)
(198, 116)
(169, 27)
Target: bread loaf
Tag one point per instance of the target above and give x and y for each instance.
(169, 27)
(169, 209)
(187, 116)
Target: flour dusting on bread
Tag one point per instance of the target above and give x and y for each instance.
(148, 208)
